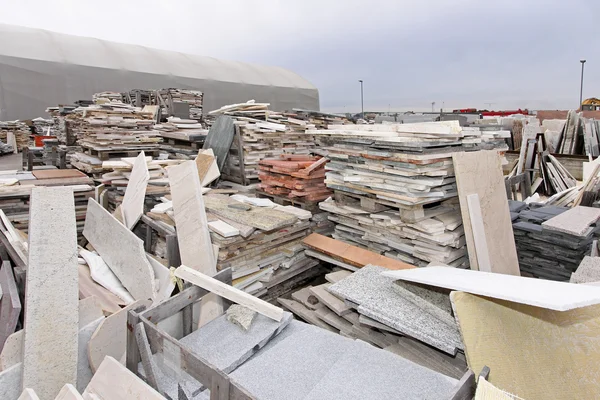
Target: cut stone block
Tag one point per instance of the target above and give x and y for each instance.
(306, 298)
(366, 372)
(135, 193)
(559, 296)
(28, 394)
(333, 319)
(51, 299)
(223, 229)
(208, 169)
(575, 221)
(68, 392)
(435, 300)
(306, 314)
(241, 316)
(337, 276)
(121, 250)
(226, 346)
(103, 275)
(377, 299)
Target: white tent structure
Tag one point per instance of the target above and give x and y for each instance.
(40, 68)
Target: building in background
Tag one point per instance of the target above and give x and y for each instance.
(39, 68)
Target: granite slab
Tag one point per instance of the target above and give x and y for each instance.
(377, 299)
(51, 299)
(226, 346)
(588, 271)
(575, 221)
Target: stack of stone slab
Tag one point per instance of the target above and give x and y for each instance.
(395, 190)
(19, 130)
(320, 120)
(260, 244)
(43, 126)
(114, 129)
(182, 138)
(60, 127)
(294, 176)
(551, 241)
(192, 97)
(403, 318)
(102, 97)
(260, 134)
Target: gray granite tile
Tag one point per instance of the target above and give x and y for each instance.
(435, 300)
(588, 271)
(380, 375)
(378, 300)
(225, 345)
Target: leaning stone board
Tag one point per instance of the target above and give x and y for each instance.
(263, 218)
(51, 300)
(219, 138)
(135, 193)
(10, 304)
(122, 251)
(480, 173)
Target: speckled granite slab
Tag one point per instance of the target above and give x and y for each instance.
(378, 300)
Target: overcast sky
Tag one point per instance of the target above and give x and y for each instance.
(458, 53)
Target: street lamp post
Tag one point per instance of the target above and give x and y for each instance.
(581, 87)
(362, 104)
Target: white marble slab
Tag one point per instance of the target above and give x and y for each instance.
(51, 299)
(133, 202)
(121, 250)
(559, 296)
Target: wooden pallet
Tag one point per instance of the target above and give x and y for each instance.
(311, 206)
(106, 154)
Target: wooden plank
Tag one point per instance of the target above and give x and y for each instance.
(193, 236)
(263, 218)
(480, 173)
(115, 382)
(349, 254)
(10, 304)
(51, 300)
(229, 292)
(481, 249)
(58, 173)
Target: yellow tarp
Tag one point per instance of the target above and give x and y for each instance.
(535, 353)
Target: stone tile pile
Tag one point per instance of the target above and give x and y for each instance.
(17, 129)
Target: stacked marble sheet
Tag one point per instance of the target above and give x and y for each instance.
(544, 251)
(262, 134)
(406, 319)
(19, 129)
(395, 190)
(182, 138)
(319, 119)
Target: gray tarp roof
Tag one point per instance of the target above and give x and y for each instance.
(40, 68)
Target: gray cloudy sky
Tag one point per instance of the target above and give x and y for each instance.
(460, 53)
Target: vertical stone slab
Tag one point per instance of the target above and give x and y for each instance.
(10, 304)
(133, 202)
(51, 300)
(192, 230)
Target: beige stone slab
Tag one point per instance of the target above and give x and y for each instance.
(480, 172)
(304, 297)
(113, 381)
(532, 352)
(135, 194)
(51, 299)
(336, 305)
(208, 169)
(68, 392)
(110, 338)
(193, 235)
(121, 250)
(337, 276)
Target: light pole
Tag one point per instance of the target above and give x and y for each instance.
(432, 105)
(362, 104)
(581, 87)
